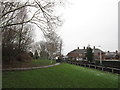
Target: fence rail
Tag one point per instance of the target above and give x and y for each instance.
(103, 68)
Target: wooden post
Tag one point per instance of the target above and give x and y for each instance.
(112, 70)
(102, 68)
(95, 67)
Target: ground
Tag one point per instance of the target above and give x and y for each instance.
(33, 63)
(61, 76)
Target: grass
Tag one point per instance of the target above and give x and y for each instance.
(42, 62)
(33, 63)
(61, 76)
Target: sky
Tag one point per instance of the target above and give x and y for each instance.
(93, 22)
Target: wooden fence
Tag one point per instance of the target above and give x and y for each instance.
(103, 68)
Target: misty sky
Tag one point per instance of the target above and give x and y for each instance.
(93, 22)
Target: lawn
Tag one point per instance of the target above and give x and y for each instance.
(33, 63)
(42, 62)
(61, 76)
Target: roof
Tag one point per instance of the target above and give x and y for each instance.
(97, 50)
(81, 51)
(112, 54)
(78, 51)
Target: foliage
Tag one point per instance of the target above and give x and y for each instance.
(31, 54)
(24, 57)
(36, 56)
(16, 39)
(61, 76)
(49, 48)
(44, 54)
(17, 19)
(52, 44)
(89, 54)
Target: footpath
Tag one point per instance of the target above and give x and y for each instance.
(29, 68)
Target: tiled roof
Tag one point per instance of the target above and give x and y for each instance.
(80, 51)
(97, 51)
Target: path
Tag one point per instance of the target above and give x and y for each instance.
(30, 68)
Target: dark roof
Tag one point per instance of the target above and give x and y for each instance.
(78, 51)
(118, 54)
(97, 50)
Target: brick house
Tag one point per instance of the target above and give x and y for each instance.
(112, 55)
(80, 54)
(117, 56)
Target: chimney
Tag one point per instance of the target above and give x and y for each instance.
(94, 47)
(84, 47)
(78, 48)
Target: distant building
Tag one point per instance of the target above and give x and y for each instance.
(109, 55)
(117, 56)
(112, 55)
(80, 54)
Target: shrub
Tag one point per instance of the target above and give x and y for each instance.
(24, 56)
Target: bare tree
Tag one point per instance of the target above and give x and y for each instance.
(60, 47)
(21, 35)
(41, 14)
(43, 52)
(19, 16)
(16, 39)
(53, 44)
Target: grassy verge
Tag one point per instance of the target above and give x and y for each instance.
(43, 62)
(33, 63)
(61, 76)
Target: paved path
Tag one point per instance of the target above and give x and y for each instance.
(29, 68)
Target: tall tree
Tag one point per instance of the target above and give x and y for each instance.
(41, 13)
(53, 43)
(19, 16)
(43, 50)
(89, 54)
(36, 56)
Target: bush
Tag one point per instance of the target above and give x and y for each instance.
(89, 54)
(8, 60)
(36, 55)
(24, 56)
(31, 54)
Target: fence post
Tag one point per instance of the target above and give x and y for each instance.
(112, 70)
(95, 66)
(102, 68)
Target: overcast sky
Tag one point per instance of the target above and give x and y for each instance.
(93, 22)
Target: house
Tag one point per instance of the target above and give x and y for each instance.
(97, 53)
(80, 54)
(117, 56)
(112, 55)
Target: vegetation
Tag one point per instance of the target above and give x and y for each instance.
(32, 63)
(36, 56)
(18, 20)
(43, 62)
(31, 54)
(61, 76)
(89, 54)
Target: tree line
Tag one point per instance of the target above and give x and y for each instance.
(17, 22)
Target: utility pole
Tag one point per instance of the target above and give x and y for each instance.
(119, 26)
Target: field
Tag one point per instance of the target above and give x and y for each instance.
(61, 76)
